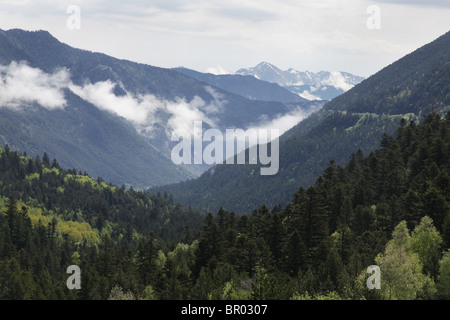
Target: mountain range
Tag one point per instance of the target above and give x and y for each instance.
(363, 181)
(111, 117)
(114, 118)
(323, 85)
(247, 86)
(409, 88)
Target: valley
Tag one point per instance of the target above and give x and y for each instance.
(120, 171)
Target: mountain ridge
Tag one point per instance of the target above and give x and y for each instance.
(355, 120)
(110, 84)
(323, 85)
(240, 84)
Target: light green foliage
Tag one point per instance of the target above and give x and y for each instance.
(76, 258)
(443, 280)
(149, 293)
(118, 294)
(182, 258)
(86, 179)
(161, 260)
(427, 243)
(47, 170)
(234, 291)
(78, 231)
(332, 295)
(263, 286)
(401, 269)
(32, 176)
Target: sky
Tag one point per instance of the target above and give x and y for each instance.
(356, 36)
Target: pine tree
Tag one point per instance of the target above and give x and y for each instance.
(147, 254)
(210, 243)
(295, 254)
(313, 221)
(46, 160)
(435, 206)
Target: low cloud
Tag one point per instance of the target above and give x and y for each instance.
(136, 109)
(143, 110)
(217, 70)
(428, 3)
(184, 114)
(22, 85)
(337, 80)
(281, 122)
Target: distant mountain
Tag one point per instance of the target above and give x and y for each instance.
(246, 86)
(410, 88)
(322, 85)
(111, 117)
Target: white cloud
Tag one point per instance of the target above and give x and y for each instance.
(217, 70)
(184, 115)
(228, 35)
(22, 85)
(421, 3)
(135, 109)
(283, 122)
(307, 95)
(142, 110)
(337, 80)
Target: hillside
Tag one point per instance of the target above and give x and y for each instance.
(51, 218)
(111, 117)
(378, 209)
(409, 88)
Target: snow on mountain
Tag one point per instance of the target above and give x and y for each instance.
(323, 85)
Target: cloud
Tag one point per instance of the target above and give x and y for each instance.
(426, 3)
(217, 70)
(143, 110)
(307, 95)
(184, 114)
(136, 109)
(337, 80)
(281, 122)
(22, 85)
(311, 34)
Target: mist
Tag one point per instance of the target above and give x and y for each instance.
(22, 86)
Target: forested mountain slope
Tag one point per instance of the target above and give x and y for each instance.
(111, 117)
(51, 218)
(410, 88)
(390, 208)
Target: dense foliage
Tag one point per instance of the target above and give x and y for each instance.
(390, 208)
(52, 218)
